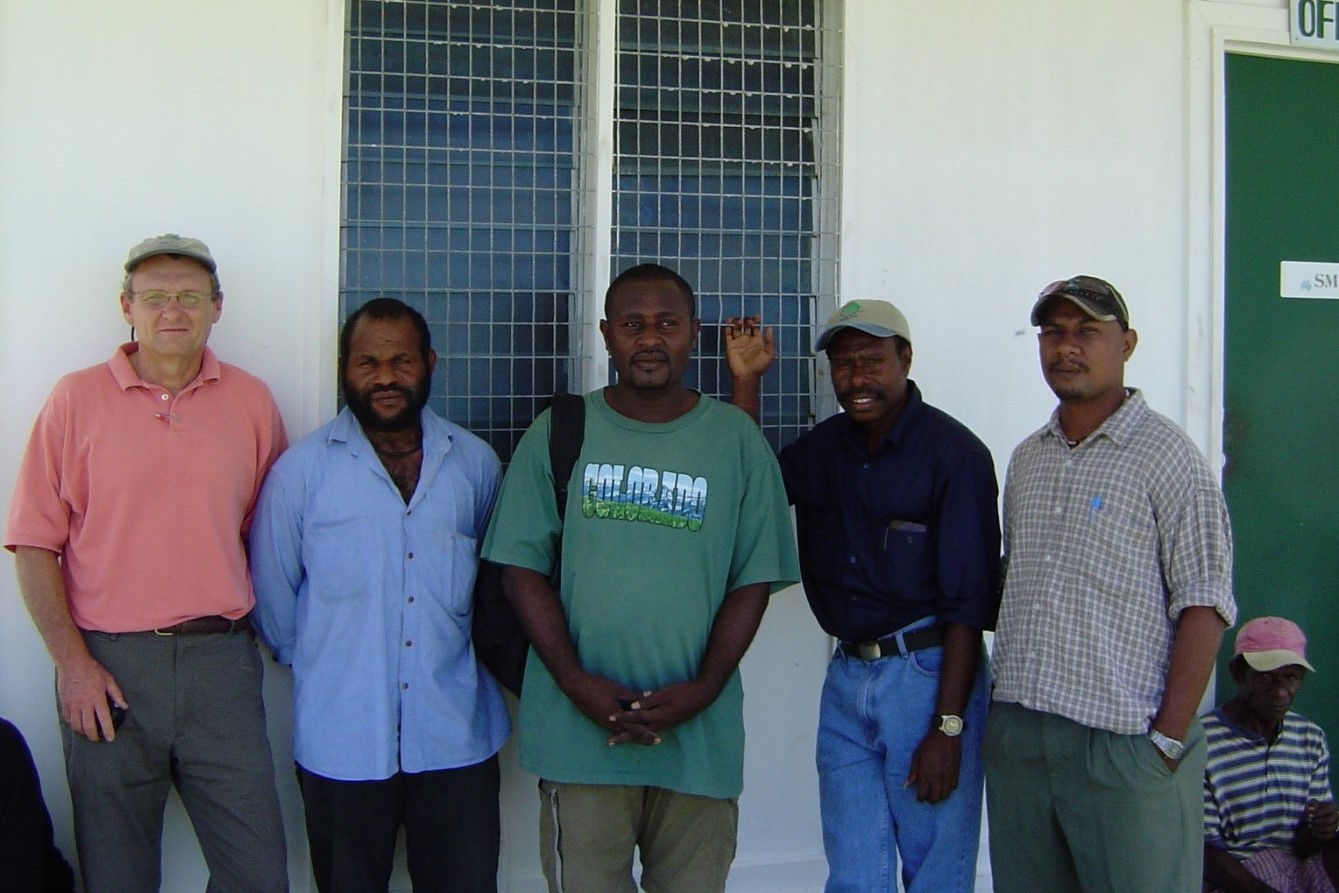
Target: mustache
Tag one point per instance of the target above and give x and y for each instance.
(650, 355)
(1063, 365)
(390, 389)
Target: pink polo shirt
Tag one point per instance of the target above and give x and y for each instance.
(146, 497)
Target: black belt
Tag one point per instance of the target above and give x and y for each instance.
(203, 626)
(917, 639)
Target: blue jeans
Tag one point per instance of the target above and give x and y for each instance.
(871, 718)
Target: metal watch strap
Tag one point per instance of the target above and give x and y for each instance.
(1170, 747)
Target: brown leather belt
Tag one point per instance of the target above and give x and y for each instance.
(917, 639)
(204, 626)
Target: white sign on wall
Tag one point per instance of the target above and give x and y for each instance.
(1306, 279)
(1314, 23)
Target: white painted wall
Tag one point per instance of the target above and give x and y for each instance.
(988, 149)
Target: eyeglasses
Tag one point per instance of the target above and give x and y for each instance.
(187, 300)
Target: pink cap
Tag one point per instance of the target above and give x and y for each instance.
(1268, 643)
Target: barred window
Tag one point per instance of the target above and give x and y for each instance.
(470, 157)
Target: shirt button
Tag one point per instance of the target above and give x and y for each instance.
(408, 643)
(162, 396)
(404, 685)
(1059, 510)
(411, 556)
(851, 559)
(410, 600)
(1047, 558)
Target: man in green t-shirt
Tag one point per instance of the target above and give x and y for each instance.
(674, 540)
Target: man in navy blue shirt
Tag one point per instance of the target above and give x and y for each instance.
(899, 535)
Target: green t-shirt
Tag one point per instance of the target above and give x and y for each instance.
(663, 520)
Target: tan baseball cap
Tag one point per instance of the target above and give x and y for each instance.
(878, 318)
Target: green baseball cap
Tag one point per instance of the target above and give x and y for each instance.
(171, 243)
(877, 318)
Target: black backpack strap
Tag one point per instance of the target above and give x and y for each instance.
(567, 429)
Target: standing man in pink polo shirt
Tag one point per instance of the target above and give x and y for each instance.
(127, 528)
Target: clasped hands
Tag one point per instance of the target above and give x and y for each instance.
(638, 717)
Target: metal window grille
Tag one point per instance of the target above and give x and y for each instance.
(725, 165)
(468, 164)
(458, 193)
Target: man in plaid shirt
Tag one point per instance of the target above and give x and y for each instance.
(1117, 591)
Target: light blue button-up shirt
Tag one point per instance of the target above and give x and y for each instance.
(370, 600)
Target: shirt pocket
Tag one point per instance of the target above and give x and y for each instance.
(903, 549)
(452, 574)
(338, 556)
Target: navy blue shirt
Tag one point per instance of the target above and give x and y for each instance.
(908, 531)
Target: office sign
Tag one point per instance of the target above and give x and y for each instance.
(1307, 279)
(1314, 23)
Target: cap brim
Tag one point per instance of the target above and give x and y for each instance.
(868, 328)
(1267, 661)
(204, 261)
(1083, 305)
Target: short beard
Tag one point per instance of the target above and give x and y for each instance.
(360, 405)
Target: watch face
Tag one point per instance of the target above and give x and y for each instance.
(950, 725)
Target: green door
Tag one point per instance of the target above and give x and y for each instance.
(1281, 423)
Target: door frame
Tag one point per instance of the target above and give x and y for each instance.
(1214, 29)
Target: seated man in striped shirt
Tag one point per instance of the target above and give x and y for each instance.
(1269, 816)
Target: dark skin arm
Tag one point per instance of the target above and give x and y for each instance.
(935, 764)
(1226, 873)
(1199, 630)
(733, 630)
(541, 615)
(749, 350)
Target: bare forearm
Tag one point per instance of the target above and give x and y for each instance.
(541, 615)
(43, 590)
(962, 654)
(746, 393)
(732, 632)
(83, 686)
(1199, 631)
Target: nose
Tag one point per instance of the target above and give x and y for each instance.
(383, 374)
(1067, 343)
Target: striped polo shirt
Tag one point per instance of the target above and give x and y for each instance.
(1255, 792)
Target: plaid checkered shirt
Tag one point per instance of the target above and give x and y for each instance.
(1105, 545)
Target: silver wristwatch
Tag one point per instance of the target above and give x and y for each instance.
(1170, 747)
(950, 725)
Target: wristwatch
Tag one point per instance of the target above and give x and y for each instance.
(950, 725)
(1170, 747)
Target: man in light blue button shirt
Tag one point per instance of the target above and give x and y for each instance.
(364, 552)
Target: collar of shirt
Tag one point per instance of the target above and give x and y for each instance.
(346, 429)
(126, 377)
(1118, 427)
(853, 433)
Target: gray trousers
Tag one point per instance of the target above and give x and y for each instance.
(197, 722)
